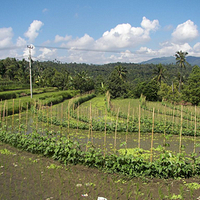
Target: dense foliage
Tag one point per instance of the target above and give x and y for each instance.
(172, 82)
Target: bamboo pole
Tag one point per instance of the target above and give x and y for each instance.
(195, 128)
(26, 127)
(139, 116)
(68, 119)
(180, 143)
(115, 139)
(4, 110)
(105, 133)
(165, 128)
(51, 115)
(61, 120)
(78, 116)
(13, 112)
(1, 109)
(151, 158)
(173, 120)
(6, 117)
(127, 124)
(91, 133)
(19, 114)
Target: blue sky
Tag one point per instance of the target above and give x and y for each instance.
(91, 31)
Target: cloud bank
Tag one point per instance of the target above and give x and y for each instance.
(122, 43)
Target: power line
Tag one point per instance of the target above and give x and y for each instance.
(67, 48)
(80, 49)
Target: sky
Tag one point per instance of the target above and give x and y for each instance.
(99, 32)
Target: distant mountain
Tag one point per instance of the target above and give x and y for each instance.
(172, 60)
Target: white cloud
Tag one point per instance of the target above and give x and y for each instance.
(185, 32)
(149, 25)
(197, 47)
(6, 35)
(61, 39)
(47, 54)
(33, 30)
(124, 35)
(21, 42)
(84, 42)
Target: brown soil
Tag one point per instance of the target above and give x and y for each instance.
(26, 176)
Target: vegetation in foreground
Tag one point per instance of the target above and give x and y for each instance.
(32, 176)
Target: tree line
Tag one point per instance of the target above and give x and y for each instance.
(173, 82)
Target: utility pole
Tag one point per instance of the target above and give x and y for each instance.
(30, 47)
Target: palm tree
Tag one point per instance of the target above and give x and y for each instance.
(159, 71)
(181, 61)
(121, 71)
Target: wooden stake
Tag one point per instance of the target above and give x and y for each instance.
(91, 123)
(51, 115)
(151, 158)
(115, 140)
(1, 109)
(105, 133)
(181, 129)
(127, 124)
(77, 116)
(195, 128)
(26, 128)
(13, 112)
(139, 127)
(19, 114)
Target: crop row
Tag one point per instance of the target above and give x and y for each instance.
(67, 151)
(110, 126)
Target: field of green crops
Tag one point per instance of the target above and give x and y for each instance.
(121, 136)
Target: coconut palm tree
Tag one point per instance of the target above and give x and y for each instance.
(121, 71)
(181, 61)
(159, 71)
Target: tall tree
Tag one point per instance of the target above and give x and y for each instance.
(121, 71)
(159, 71)
(181, 61)
(191, 91)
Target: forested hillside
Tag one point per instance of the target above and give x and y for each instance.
(172, 82)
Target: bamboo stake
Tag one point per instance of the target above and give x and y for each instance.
(26, 128)
(139, 126)
(173, 120)
(4, 110)
(105, 133)
(47, 111)
(165, 128)
(68, 120)
(13, 112)
(78, 116)
(127, 124)
(115, 140)
(91, 123)
(195, 128)
(6, 116)
(19, 114)
(61, 119)
(1, 109)
(151, 158)
(51, 115)
(181, 129)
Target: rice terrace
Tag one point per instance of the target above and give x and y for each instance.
(85, 143)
